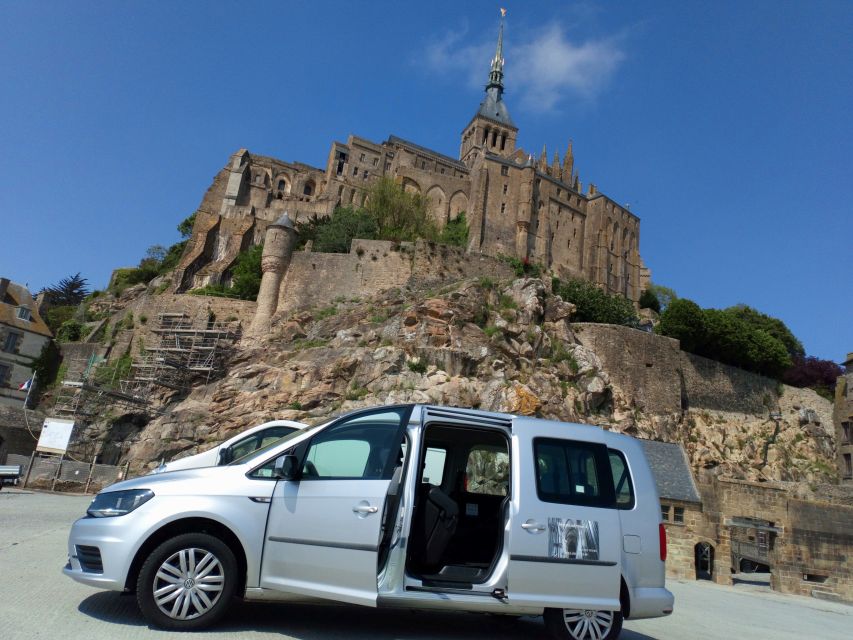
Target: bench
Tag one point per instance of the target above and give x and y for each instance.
(9, 473)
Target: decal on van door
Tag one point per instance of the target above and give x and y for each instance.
(572, 539)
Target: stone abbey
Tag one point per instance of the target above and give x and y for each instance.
(515, 205)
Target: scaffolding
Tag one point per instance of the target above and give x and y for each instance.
(186, 351)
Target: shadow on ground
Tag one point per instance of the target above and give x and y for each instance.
(329, 622)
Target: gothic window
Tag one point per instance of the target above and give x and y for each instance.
(282, 185)
(494, 137)
(559, 192)
(308, 189)
(503, 142)
(485, 135)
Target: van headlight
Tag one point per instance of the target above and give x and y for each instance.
(118, 503)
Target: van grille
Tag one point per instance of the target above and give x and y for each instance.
(90, 559)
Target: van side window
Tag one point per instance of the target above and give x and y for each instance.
(364, 447)
(622, 484)
(487, 471)
(570, 472)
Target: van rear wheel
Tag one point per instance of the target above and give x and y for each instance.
(187, 582)
(583, 624)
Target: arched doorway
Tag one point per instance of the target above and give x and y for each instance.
(704, 561)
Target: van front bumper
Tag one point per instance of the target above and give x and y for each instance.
(651, 602)
(99, 552)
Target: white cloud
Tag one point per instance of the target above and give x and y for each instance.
(543, 67)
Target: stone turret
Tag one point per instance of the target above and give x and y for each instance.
(279, 242)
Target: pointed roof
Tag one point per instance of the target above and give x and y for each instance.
(493, 107)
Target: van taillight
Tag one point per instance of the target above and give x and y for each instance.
(662, 534)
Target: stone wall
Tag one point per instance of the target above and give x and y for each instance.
(318, 279)
(681, 539)
(14, 435)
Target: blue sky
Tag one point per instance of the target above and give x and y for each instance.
(726, 126)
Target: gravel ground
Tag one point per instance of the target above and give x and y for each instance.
(37, 601)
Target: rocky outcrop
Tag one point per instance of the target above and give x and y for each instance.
(507, 346)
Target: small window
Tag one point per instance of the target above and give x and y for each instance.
(506, 188)
(308, 189)
(434, 466)
(362, 157)
(504, 171)
(423, 164)
(848, 466)
(10, 344)
(442, 170)
(5, 372)
(664, 512)
(24, 314)
(387, 166)
(487, 471)
(375, 161)
(678, 515)
(571, 472)
(847, 432)
(622, 484)
(503, 207)
(355, 171)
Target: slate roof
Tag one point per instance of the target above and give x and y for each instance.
(406, 143)
(19, 296)
(671, 470)
(494, 108)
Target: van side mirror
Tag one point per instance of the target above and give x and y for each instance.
(287, 467)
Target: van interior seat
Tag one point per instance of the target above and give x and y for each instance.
(434, 526)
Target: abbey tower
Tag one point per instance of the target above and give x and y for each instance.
(516, 205)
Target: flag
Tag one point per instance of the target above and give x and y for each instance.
(503, 12)
(25, 386)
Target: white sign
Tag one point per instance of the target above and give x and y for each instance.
(55, 435)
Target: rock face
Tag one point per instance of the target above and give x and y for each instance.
(501, 347)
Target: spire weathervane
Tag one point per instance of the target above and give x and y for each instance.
(496, 75)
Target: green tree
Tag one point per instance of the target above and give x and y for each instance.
(246, 275)
(338, 232)
(54, 317)
(185, 228)
(684, 320)
(772, 326)
(649, 300)
(400, 215)
(595, 305)
(68, 291)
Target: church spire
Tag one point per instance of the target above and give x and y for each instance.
(496, 75)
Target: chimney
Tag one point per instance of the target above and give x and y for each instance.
(4, 286)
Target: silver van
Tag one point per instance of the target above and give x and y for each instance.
(399, 506)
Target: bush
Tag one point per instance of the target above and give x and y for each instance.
(455, 232)
(400, 215)
(70, 331)
(55, 317)
(109, 373)
(594, 305)
(46, 365)
(649, 300)
(246, 275)
(524, 267)
(812, 372)
(772, 326)
(185, 228)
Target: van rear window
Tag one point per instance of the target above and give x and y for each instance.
(571, 472)
(621, 480)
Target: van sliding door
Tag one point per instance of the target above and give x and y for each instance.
(565, 535)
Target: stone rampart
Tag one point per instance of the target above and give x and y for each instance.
(318, 279)
(658, 377)
(15, 437)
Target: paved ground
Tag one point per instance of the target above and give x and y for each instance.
(37, 601)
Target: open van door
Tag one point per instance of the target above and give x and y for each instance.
(565, 538)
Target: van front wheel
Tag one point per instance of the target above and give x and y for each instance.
(583, 624)
(187, 582)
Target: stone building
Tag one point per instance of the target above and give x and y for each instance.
(844, 421)
(22, 335)
(515, 204)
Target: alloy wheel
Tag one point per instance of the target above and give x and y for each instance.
(188, 583)
(588, 624)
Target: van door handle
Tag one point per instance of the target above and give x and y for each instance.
(364, 508)
(532, 526)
